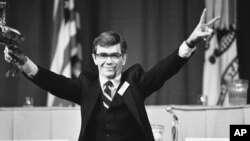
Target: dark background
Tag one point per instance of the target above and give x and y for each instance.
(152, 29)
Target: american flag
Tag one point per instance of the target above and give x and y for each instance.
(66, 50)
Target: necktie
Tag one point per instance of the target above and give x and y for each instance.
(107, 98)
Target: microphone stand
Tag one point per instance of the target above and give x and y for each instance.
(174, 124)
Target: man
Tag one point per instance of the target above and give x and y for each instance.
(112, 102)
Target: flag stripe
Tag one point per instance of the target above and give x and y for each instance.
(64, 41)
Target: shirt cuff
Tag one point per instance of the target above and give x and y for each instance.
(30, 68)
(185, 51)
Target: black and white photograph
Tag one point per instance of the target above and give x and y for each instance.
(124, 70)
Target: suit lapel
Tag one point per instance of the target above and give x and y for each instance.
(91, 97)
(130, 102)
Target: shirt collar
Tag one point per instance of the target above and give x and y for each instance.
(115, 81)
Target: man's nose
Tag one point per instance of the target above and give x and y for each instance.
(109, 60)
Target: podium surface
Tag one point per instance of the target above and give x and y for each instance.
(207, 139)
(43, 123)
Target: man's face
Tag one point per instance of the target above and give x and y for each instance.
(109, 60)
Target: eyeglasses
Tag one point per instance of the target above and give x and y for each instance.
(113, 56)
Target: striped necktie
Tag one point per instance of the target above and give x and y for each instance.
(107, 98)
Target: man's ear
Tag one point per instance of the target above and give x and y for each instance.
(94, 58)
(124, 57)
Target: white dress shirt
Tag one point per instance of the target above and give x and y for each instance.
(116, 81)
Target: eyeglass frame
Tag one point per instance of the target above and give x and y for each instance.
(112, 56)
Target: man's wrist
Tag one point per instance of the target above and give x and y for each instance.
(189, 44)
(30, 68)
(185, 51)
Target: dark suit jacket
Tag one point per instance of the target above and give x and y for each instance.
(85, 90)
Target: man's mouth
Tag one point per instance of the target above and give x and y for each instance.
(109, 68)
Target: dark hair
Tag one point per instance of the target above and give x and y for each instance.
(109, 38)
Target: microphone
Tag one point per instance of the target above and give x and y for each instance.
(169, 109)
(175, 122)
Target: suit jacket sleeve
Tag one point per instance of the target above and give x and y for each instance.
(152, 80)
(58, 85)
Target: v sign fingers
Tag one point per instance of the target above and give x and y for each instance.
(203, 17)
(211, 22)
(203, 30)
